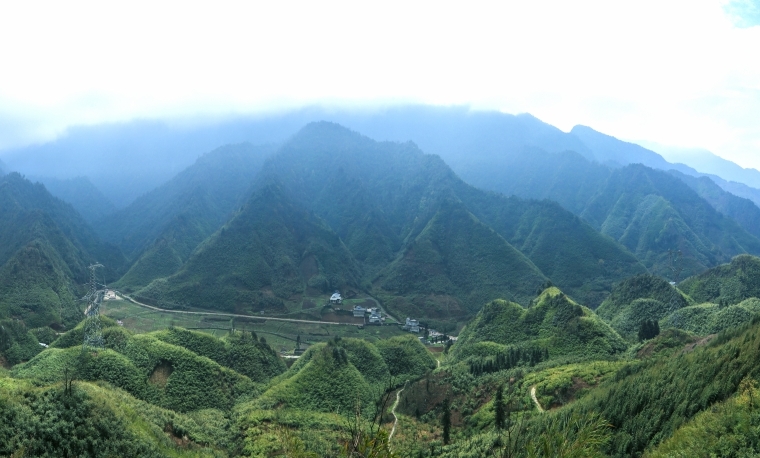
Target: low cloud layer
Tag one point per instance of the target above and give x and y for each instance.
(680, 73)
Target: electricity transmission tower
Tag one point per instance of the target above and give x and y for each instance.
(93, 336)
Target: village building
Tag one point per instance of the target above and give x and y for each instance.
(335, 298)
(411, 325)
(375, 318)
(359, 311)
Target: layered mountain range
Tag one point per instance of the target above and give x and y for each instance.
(268, 228)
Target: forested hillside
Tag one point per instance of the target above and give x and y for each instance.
(333, 209)
(556, 276)
(86, 199)
(161, 228)
(45, 248)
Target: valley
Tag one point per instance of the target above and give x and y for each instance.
(496, 287)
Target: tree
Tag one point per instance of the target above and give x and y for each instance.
(649, 329)
(498, 407)
(298, 342)
(446, 421)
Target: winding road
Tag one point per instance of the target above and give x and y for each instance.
(393, 411)
(535, 399)
(265, 318)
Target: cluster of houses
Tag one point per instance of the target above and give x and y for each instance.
(433, 336)
(375, 316)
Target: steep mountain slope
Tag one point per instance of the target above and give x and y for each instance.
(45, 248)
(405, 186)
(566, 249)
(160, 229)
(650, 212)
(609, 150)
(457, 257)
(742, 210)
(86, 199)
(270, 252)
(213, 186)
(707, 162)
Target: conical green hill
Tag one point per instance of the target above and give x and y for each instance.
(552, 322)
(459, 263)
(328, 382)
(637, 299)
(406, 357)
(270, 252)
(163, 374)
(240, 351)
(729, 283)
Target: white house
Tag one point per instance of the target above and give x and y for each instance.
(335, 298)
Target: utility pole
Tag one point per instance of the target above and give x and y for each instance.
(93, 335)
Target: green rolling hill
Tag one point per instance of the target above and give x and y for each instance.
(728, 283)
(552, 322)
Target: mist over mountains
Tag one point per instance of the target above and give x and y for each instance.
(389, 218)
(576, 270)
(127, 160)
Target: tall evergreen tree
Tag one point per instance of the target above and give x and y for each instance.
(498, 407)
(446, 421)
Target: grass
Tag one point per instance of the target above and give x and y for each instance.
(280, 335)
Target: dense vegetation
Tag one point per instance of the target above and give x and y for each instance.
(638, 299)
(162, 228)
(726, 284)
(553, 322)
(45, 248)
(332, 209)
(158, 372)
(528, 376)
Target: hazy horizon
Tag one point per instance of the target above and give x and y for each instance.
(677, 73)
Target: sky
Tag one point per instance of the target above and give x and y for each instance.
(680, 73)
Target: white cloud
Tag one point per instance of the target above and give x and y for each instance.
(677, 72)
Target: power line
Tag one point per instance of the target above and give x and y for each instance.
(93, 334)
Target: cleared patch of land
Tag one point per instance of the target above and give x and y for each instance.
(281, 335)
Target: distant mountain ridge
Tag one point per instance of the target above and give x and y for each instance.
(462, 137)
(81, 194)
(334, 209)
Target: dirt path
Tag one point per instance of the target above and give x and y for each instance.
(535, 399)
(265, 318)
(393, 411)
